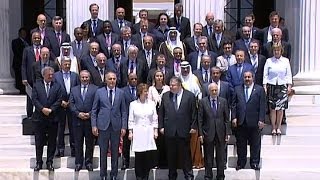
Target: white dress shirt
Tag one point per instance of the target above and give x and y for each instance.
(277, 71)
(223, 63)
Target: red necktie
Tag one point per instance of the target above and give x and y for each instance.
(37, 54)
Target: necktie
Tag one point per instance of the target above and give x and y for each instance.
(206, 77)
(110, 96)
(239, 70)
(177, 66)
(133, 92)
(79, 45)
(126, 48)
(131, 67)
(47, 89)
(178, 23)
(246, 93)
(175, 101)
(228, 59)
(149, 58)
(247, 43)
(101, 74)
(58, 38)
(94, 27)
(218, 39)
(84, 91)
(210, 30)
(37, 54)
(108, 40)
(214, 107)
(117, 63)
(255, 63)
(120, 24)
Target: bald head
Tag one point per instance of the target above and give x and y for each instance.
(213, 90)
(41, 20)
(246, 31)
(210, 18)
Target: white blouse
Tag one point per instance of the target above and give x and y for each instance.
(154, 96)
(277, 71)
(143, 119)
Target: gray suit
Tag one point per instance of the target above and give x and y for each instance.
(109, 119)
(79, 53)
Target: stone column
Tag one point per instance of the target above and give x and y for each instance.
(196, 10)
(6, 80)
(78, 11)
(307, 80)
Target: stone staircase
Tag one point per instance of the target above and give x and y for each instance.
(293, 156)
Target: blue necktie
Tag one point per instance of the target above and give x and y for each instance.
(214, 107)
(239, 70)
(175, 101)
(84, 91)
(246, 93)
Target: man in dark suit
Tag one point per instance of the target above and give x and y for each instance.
(177, 119)
(235, 72)
(148, 53)
(181, 23)
(257, 61)
(255, 33)
(143, 15)
(142, 33)
(195, 57)
(133, 65)
(81, 100)
(67, 79)
(46, 97)
(55, 38)
(220, 34)
(42, 29)
(89, 61)
(248, 115)
(79, 46)
(127, 39)
(160, 65)
(17, 46)
(107, 39)
(120, 22)
(130, 94)
(276, 34)
(244, 42)
(192, 42)
(94, 22)
(208, 29)
(113, 64)
(97, 73)
(109, 121)
(214, 130)
(203, 74)
(274, 19)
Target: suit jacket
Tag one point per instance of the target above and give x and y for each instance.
(86, 62)
(212, 42)
(37, 67)
(139, 40)
(17, 46)
(190, 45)
(103, 45)
(52, 43)
(112, 66)
(259, 73)
(193, 59)
(205, 31)
(198, 73)
(46, 31)
(141, 71)
(210, 124)
(83, 51)
(103, 113)
(128, 97)
(256, 34)
(74, 81)
(133, 41)
(232, 74)
(268, 53)
(264, 34)
(99, 29)
(154, 54)
(178, 123)
(28, 58)
(95, 76)
(167, 76)
(115, 26)
(40, 101)
(252, 111)
(78, 105)
(224, 91)
(184, 28)
(241, 45)
(136, 27)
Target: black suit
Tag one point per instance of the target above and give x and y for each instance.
(46, 31)
(96, 76)
(167, 76)
(38, 66)
(103, 44)
(133, 41)
(256, 34)
(51, 42)
(115, 26)
(177, 125)
(98, 30)
(217, 48)
(111, 65)
(268, 52)
(46, 124)
(214, 126)
(136, 27)
(141, 71)
(248, 114)
(142, 55)
(194, 57)
(264, 34)
(184, 28)
(139, 40)
(205, 30)
(86, 62)
(190, 45)
(259, 72)
(224, 91)
(82, 128)
(199, 75)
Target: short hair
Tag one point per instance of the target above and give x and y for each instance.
(22, 29)
(93, 4)
(85, 71)
(178, 5)
(57, 18)
(133, 48)
(206, 56)
(143, 10)
(218, 22)
(45, 69)
(177, 48)
(65, 59)
(194, 26)
(140, 88)
(255, 41)
(227, 41)
(125, 28)
(249, 71)
(107, 21)
(251, 15)
(215, 68)
(202, 38)
(161, 56)
(274, 13)
(212, 84)
(176, 79)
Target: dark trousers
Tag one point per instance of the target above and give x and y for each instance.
(64, 116)
(245, 135)
(178, 151)
(161, 153)
(143, 163)
(18, 80)
(29, 107)
(45, 130)
(106, 136)
(209, 147)
(83, 132)
(126, 150)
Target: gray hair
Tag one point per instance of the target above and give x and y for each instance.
(46, 69)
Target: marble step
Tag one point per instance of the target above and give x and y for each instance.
(162, 174)
(11, 129)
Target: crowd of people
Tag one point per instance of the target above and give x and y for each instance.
(154, 89)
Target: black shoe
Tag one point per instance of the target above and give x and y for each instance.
(78, 167)
(50, 167)
(239, 167)
(89, 167)
(255, 167)
(38, 167)
(60, 153)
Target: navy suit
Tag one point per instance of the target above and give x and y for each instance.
(258, 77)
(142, 55)
(218, 48)
(193, 59)
(116, 28)
(52, 43)
(248, 114)
(109, 119)
(233, 77)
(256, 34)
(65, 113)
(38, 66)
(86, 62)
(103, 45)
(82, 128)
(46, 124)
(264, 34)
(112, 66)
(98, 30)
(224, 91)
(241, 45)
